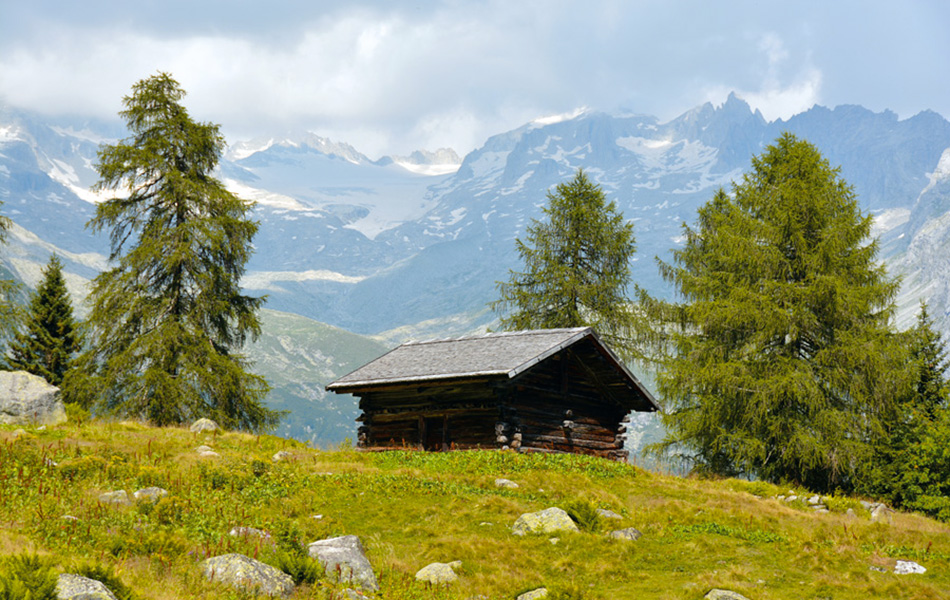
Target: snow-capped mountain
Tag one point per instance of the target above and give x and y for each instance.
(414, 245)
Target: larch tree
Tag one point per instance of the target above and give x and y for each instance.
(49, 339)
(781, 363)
(576, 268)
(167, 321)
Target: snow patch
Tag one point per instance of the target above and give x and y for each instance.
(889, 219)
(262, 197)
(941, 172)
(267, 280)
(85, 134)
(430, 170)
(552, 119)
(9, 133)
(489, 163)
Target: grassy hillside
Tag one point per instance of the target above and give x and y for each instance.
(411, 509)
(298, 357)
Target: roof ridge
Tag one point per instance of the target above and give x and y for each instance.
(497, 334)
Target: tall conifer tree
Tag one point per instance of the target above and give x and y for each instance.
(168, 319)
(782, 363)
(576, 268)
(49, 340)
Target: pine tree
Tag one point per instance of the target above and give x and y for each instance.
(576, 268)
(167, 320)
(10, 293)
(49, 339)
(781, 362)
(911, 466)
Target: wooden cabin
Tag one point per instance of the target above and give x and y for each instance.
(552, 390)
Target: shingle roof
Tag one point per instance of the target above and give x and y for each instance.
(503, 354)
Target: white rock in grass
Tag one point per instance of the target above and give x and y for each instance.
(439, 573)
(119, 498)
(343, 558)
(70, 586)
(244, 573)
(908, 567)
(716, 594)
(534, 594)
(204, 426)
(506, 483)
(549, 520)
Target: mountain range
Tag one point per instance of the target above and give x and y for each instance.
(356, 255)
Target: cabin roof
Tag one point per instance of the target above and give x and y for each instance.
(502, 355)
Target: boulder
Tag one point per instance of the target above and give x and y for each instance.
(506, 483)
(281, 455)
(715, 594)
(152, 494)
(534, 594)
(549, 520)
(204, 426)
(76, 587)
(439, 573)
(882, 514)
(344, 559)
(629, 534)
(118, 497)
(608, 514)
(29, 399)
(242, 572)
(908, 567)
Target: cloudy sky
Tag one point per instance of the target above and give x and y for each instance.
(390, 77)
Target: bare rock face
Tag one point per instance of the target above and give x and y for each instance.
(28, 399)
(242, 572)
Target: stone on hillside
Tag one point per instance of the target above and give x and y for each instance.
(908, 567)
(549, 520)
(70, 586)
(629, 534)
(506, 483)
(608, 514)
(439, 573)
(209, 454)
(343, 558)
(203, 448)
(26, 398)
(248, 532)
(534, 594)
(715, 594)
(152, 494)
(281, 455)
(204, 426)
(814, 500)
(118, 497)
(242, 572)
(882, 514)
(19, 433)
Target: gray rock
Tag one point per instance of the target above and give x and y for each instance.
(281, 455)
(344, 559)
(118, 497)
(908, 567)
(851, 514)
(814, 500)
(70, 586)
(882, 514)
(242, 572)
(716, 594)
(534, 594)
(209, 454)
(608, 514)
(203, 448)
(29, 399)
(439, 573)
(506, 483)
(629, 533)
(152, 494)
(549, 520)
(204, 426)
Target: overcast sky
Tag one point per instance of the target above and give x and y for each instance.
(390, 77)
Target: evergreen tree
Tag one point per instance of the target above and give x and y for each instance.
(781, 363)
(167, 319)
(576, 268)
(9, 292)
(49, 340)
(911, 467)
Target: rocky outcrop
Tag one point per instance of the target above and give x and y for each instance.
(344, 559)
(549, 520)
(28, 399)
(245, 573)
(76, 587)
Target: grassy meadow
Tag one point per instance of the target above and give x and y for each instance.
(411, 508)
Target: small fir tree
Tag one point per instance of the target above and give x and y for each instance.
(576, 268)
(911, 467)
(167, 321)
(49, 339)
(778, 352)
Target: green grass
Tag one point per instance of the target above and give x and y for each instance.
(411, 508)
